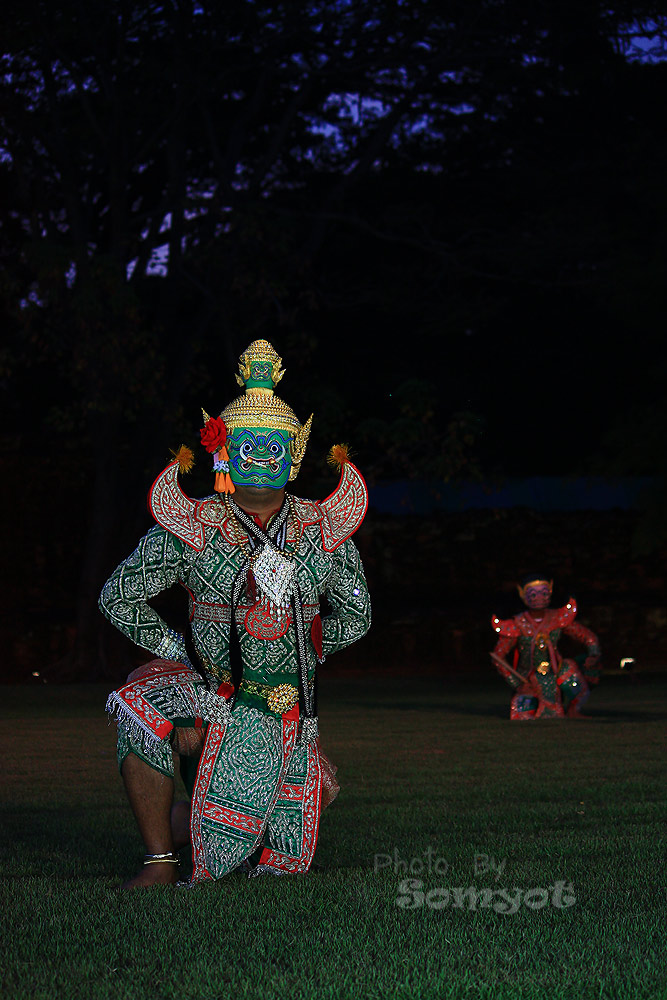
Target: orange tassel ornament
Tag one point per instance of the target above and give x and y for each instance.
(223, 481)
(185, 458)
(338, 455)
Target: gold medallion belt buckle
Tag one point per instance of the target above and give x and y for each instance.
(279, 699)
(282, 697)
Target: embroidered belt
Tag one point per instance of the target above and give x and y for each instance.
(279, 697)
(200, 611)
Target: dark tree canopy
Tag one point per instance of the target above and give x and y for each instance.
(440, 212)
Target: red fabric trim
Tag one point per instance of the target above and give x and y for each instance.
(173, 510)
(233, 818)
(291, 793)
(289, 737)
(260, 623)
(316, 635)
(212, 744)
(151, 675)
(310, 820)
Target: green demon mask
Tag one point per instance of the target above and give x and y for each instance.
(259, 457)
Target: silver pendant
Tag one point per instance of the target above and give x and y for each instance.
(274, 575)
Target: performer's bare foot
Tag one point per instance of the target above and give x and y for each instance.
(165, 873)
(162, 873)
(151, 795)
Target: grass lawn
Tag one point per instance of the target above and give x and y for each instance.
(432, 775)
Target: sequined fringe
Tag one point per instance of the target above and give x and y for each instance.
(185, 701)
(140, 734)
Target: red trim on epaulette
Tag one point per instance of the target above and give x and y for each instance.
(175, 511)
(505, 627)
(344, 509)
(565, 616)
(341, 513)
(307, 511)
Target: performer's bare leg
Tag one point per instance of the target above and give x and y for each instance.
(180, 824)
(151, 795)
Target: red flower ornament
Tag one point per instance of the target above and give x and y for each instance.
(214, 434)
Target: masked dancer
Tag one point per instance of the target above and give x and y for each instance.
(545, 684)
(235, 697)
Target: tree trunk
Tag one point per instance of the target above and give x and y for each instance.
(96, 655)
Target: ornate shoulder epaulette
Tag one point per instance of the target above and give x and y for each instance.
(506, 627)
(175, 511)
(341, 513)
(567, 613)
(185, 517)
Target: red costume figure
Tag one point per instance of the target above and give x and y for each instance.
(546, 685)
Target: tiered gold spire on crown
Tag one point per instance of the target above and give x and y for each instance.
(260, 370)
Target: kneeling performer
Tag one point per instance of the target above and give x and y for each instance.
(241, 710)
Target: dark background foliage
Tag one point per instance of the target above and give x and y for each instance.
(449, 218)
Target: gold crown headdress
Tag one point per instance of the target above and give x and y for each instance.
(260, 370)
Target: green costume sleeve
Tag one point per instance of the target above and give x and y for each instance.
(347, 594)
(154, 566)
